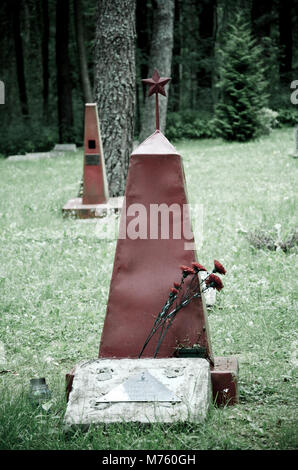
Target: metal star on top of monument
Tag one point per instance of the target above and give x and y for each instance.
(156, 83)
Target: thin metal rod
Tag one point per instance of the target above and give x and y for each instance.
(157, 111)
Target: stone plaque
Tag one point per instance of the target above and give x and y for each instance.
(92, 159)
(139, 390)
(142, 387)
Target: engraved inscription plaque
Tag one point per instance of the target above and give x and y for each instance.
(142, 387)
(92, 159)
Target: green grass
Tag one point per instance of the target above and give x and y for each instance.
(54, 281)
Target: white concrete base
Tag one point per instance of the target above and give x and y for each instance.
(75, 207)
(65, 148)
(112, 390)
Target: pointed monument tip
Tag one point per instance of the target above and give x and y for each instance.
(155, 144)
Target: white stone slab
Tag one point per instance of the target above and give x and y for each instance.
(114, 204)
(65, 148)
(175, 389)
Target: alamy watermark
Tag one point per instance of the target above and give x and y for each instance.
(2, 92)
(156, 222)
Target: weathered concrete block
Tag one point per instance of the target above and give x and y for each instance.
(76, 208)
(65, 148)
(139, 390)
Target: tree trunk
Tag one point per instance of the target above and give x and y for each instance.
(83, 66)
(161, 59)
(143, 28)
(115, 86)
(222, 13)
(64, 86)
(262, 17)
(206, 29)
(15, 11)
(45, 59)
(175, 82)
(285, 38)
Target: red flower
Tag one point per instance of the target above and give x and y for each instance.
(173, 291)
(218, 267)
(198, 267)
(186, 270)
(177, 285)
(214, 281)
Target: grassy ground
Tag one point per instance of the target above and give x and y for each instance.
(54, 281)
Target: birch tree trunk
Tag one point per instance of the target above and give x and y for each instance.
(115, 86)
(161, 59)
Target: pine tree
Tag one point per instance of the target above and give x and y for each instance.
(242, 87)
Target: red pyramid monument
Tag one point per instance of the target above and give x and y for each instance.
(151, 247)
(145, 268)
(95, 181)
(147, 262)
(95, 201)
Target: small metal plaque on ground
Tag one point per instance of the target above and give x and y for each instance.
(141, 387)
(139, 390)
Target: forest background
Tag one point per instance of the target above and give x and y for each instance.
(47, 61)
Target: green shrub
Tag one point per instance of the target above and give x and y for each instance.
(188, 125)
(288, 116)
(21, 138)
(268, 120)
